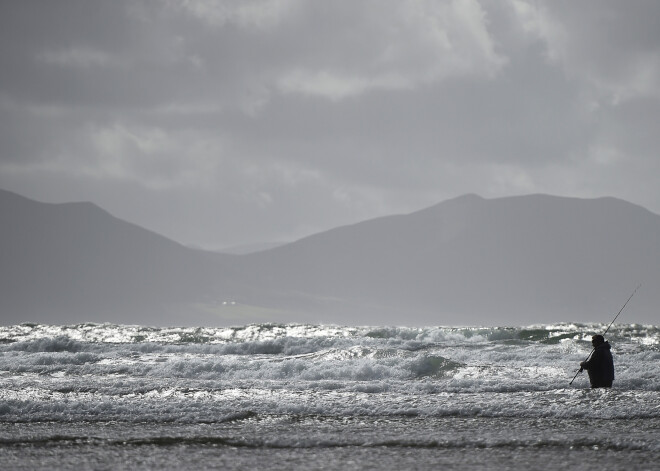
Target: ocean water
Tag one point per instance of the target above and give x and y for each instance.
(102, 396)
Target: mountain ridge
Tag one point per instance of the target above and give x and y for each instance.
(495, 246)
(66, 260)
(468, 260)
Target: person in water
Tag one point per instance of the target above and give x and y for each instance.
(600, 365)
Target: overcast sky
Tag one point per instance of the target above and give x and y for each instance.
(220, 123)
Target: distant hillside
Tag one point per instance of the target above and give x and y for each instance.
(517, 260)
(251, 248)
(74, 262)
(475, 261)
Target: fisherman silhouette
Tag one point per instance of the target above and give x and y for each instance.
(600, 365)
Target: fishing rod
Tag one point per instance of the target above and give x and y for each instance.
(608, 328)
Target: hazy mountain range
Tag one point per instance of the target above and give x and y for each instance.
(516, 260)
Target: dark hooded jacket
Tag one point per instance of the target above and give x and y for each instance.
(600, 367)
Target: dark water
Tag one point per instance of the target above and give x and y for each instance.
(320, 397)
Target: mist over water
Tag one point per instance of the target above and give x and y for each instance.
(93, 392)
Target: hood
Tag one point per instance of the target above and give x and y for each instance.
(604, 346)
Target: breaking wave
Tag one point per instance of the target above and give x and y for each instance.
(105, 372)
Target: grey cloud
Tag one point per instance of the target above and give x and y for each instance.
(614, 48)
(220, 123)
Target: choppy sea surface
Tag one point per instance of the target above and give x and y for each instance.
(102, 396)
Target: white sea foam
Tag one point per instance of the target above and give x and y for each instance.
(130, 373)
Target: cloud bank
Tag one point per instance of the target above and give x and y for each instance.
(219, 123)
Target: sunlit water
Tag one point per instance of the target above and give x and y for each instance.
(324, 397)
